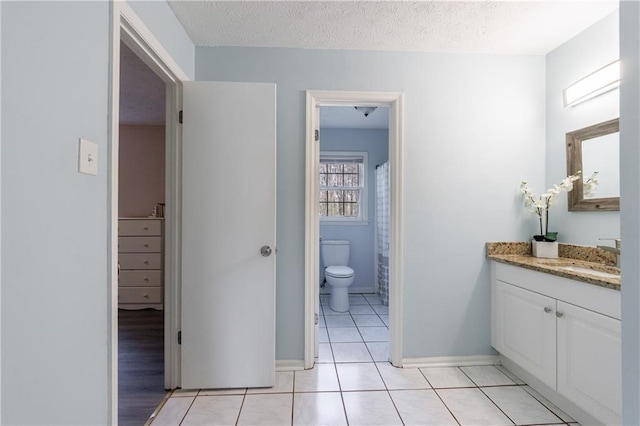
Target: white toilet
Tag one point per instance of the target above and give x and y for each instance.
(335, 257)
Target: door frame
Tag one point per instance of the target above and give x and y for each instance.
(315, 99)
(126, 26)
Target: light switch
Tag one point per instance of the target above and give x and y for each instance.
(88, 158)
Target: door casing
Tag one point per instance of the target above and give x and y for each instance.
(127, 27)
(316, 99)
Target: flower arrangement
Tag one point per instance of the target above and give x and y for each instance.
(540, 204)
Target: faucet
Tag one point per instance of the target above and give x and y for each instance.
(615, 250)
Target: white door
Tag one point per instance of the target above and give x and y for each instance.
(524, 329)
(228, 235)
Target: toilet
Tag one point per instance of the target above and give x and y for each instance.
(335, 257)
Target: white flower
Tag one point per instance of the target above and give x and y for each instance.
(541, 204)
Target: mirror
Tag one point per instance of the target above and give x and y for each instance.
(595, 148)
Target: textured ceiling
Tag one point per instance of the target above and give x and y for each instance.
(510, 27)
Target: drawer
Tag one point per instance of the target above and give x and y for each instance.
(140, 295)
(140, 260)
(139, 244)
(140, 278)
(141, 227)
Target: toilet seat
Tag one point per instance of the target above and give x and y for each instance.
(339, 271)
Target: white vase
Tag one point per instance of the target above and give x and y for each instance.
(545, 249)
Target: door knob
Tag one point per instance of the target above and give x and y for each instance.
(265, 251)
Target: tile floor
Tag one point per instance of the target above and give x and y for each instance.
(353, 384)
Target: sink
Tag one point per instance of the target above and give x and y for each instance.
(589, 271)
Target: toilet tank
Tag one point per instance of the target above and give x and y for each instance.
(334, 252)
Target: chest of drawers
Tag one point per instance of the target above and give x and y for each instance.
(141, 263)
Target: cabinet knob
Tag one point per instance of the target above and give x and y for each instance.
(559, 314)
(146, 228)
(146, 296)
(547, 309)
(146, 246)
(146, 262)
(145, 279)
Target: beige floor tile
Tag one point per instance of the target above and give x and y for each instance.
(357, 377)
(318, 408)
(370, 408)
(520, 406)
(350, 352)
(273, 410)
(284, 383)
(446, 377)
(321, 378)
(214, 410)
(487, 375)
(173, 411)
(402, 378)
(472, 408)
(422, 407)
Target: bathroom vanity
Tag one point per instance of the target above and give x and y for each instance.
(556, 323)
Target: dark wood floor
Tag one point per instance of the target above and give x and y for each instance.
(140, 365)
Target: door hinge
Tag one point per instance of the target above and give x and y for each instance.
(317, 135)
(316, 319)
(179, 337)
(180, 117)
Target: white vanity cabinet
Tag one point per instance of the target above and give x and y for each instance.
(141, 263)
(524, 329)
(564, 333)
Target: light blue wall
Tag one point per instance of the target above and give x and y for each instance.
(630, 208)
(474, 127)
(55, 80)
(160, 19)
(362, 238)
(55, 75)
(588, 51)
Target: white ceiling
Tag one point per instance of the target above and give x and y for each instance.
(509, 27)
(479, 26)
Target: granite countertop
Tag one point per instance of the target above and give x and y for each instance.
(569, 255)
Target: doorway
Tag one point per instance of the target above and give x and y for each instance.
(141, 189)
(316, 100)
(130, 30)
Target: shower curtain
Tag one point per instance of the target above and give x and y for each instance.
(382, 230)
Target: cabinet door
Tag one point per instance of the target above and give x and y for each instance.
(524, 329)
(589, 361)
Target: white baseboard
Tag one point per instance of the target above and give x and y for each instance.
(289, 364)
(451, 361)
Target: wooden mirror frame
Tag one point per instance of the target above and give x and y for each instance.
(577, 202)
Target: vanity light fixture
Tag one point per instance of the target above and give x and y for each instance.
(595, 84)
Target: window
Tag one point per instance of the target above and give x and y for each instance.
(343, 186)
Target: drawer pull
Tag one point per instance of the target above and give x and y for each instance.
(547, 309)
(146, 228)
(146, 296)
(146, 246)
(145, 279)
(146, 262)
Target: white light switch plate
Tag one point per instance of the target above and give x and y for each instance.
(88, 157)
